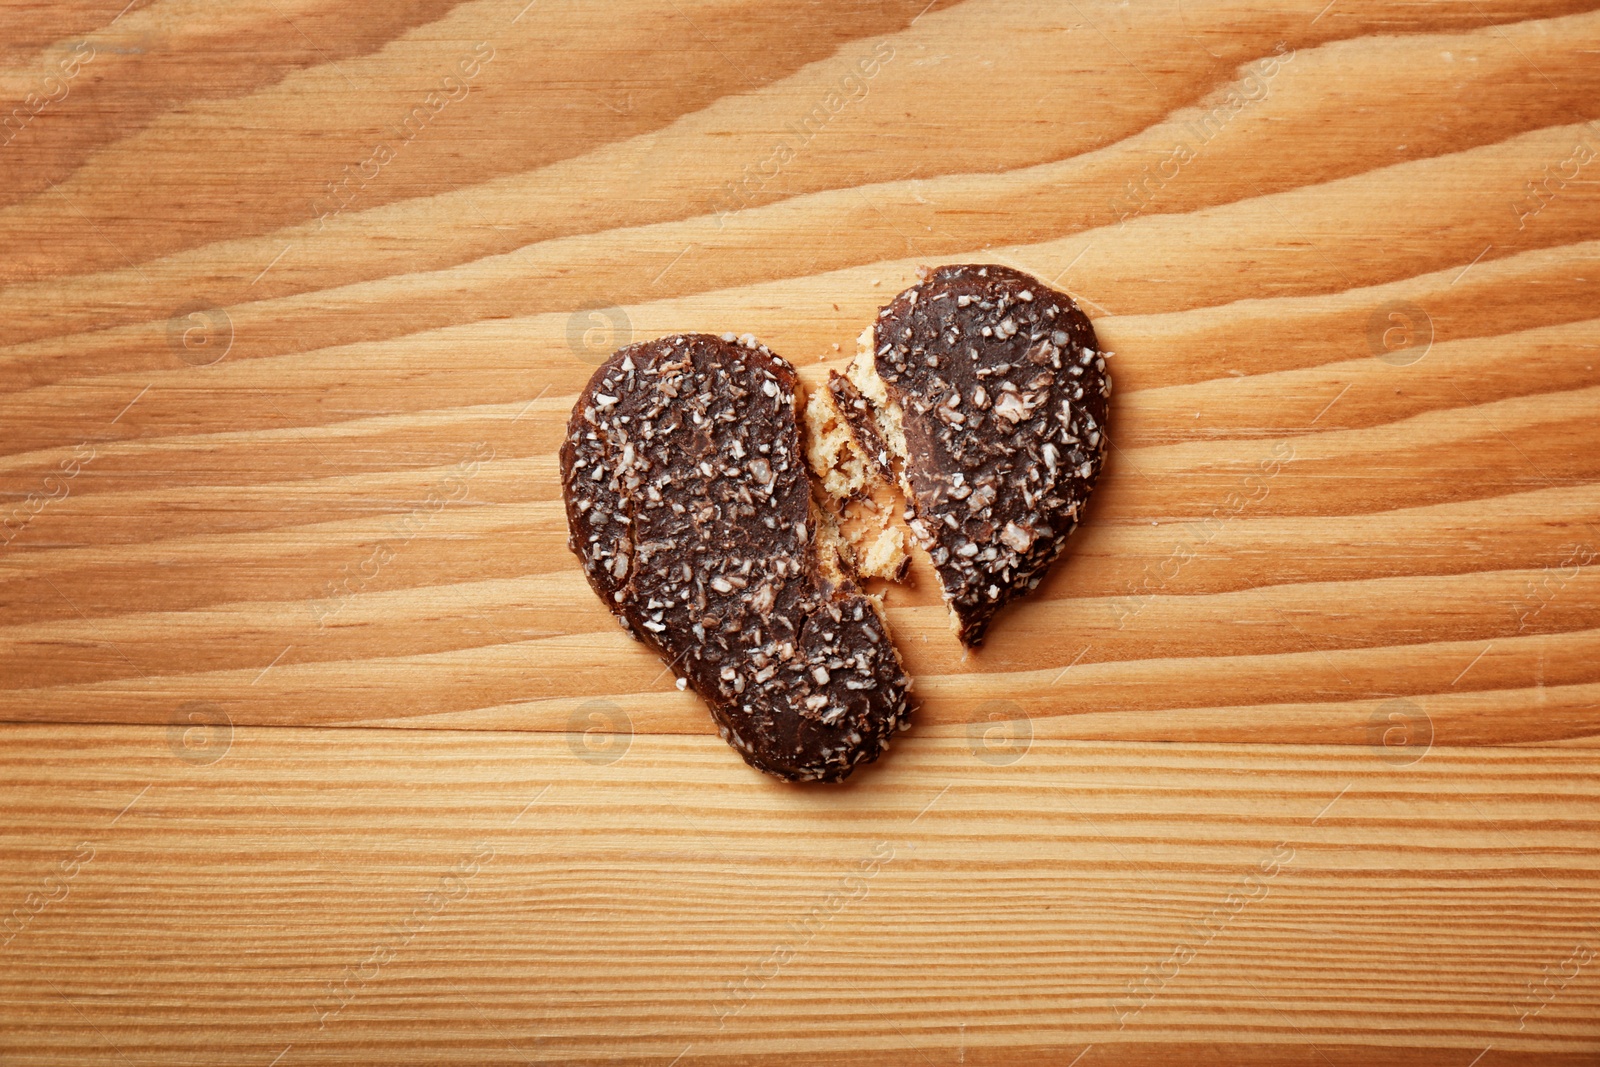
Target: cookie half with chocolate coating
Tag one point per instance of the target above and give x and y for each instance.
(991, 393)
(689, 505)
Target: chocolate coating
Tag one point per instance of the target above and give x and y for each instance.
(688, 502)
(1003, 397)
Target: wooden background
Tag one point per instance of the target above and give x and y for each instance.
(318, 749)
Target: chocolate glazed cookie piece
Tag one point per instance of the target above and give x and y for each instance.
(689, 505)
(992, 393)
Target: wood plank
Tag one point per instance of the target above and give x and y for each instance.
(455, 604)
(1332, 901)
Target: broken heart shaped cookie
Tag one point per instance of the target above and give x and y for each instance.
(982, 392)
(990, 394)
(689, 505)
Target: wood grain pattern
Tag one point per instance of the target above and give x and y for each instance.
(599, 913)
(278, 421)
